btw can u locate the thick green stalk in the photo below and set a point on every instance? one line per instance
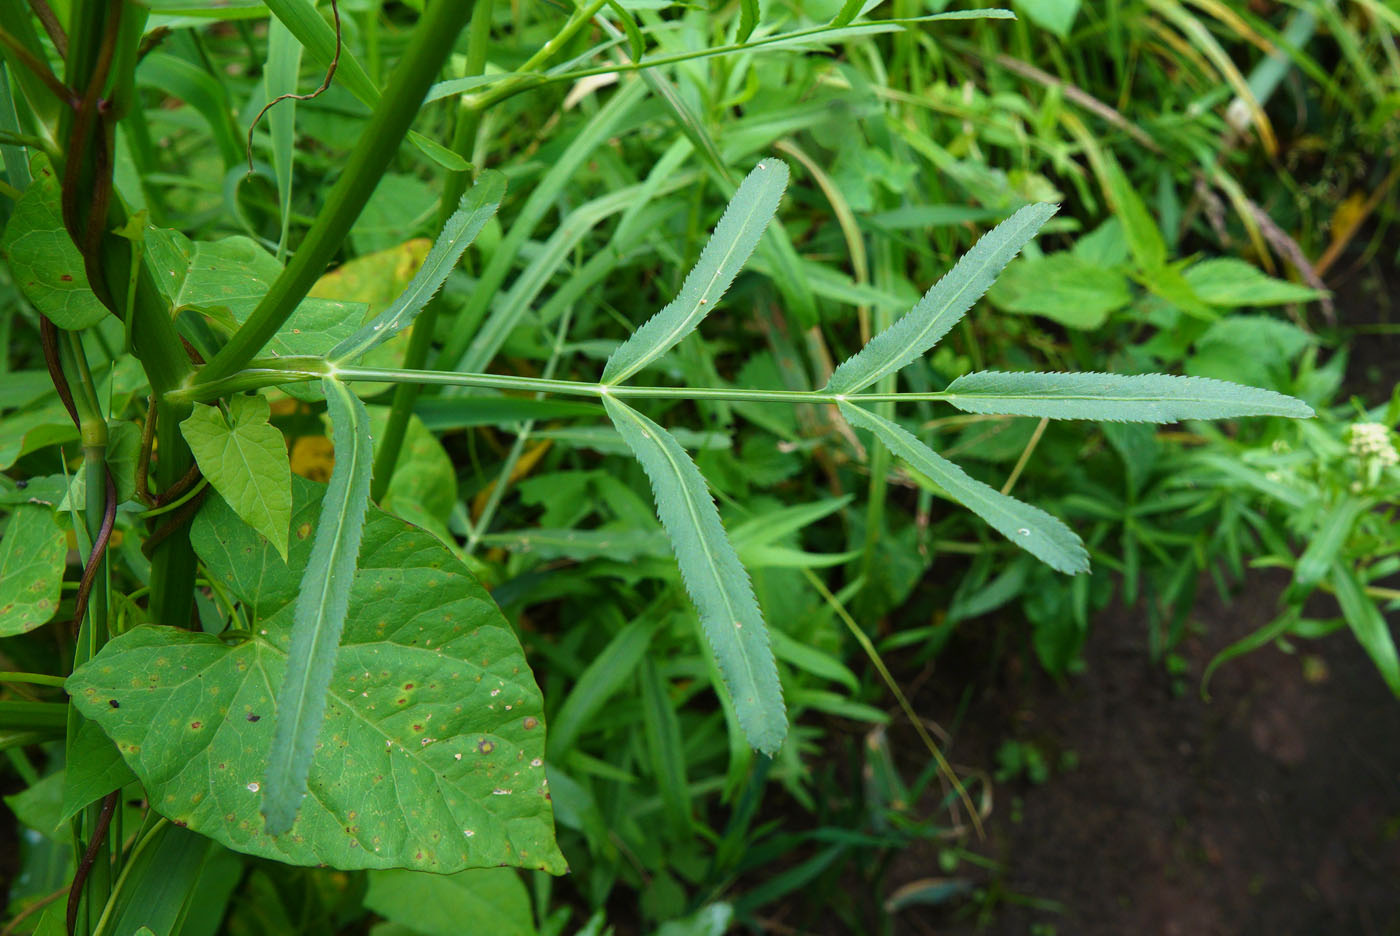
(428, 48)
(92, 629)
(420, 340)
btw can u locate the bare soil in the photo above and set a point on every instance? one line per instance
(1273, 808)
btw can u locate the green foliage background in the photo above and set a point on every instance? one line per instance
(510, 665)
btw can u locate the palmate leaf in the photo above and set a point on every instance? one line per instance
(1030, 528)
(321, 605)
(477, 207)
(431, 756)
(714, 577)
(943, 306)
(733, 241)
(1156, 398)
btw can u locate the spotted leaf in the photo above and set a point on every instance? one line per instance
(431, 753)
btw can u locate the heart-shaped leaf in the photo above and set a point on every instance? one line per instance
(432, 750)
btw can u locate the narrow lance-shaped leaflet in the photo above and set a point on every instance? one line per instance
(322, 602)
(1032, 529)
(943, 306)
(1154, 398)
(477, 207)
(729, 248)
(715, 579)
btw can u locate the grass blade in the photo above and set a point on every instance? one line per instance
(477, 207)
(748, 19)
(320, 609)
(177, 78)
(279, 78)
(468, 348)
(664, 743)
(1034, 530)
(635, 42)
(1159, 398)
(317, 36)
(1366, 623)
(609, 671)
(713, 575)
(943, 306)
(1324, 549)
(848, 12)
(734, 240)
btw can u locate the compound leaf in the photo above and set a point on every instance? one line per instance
(1031, 528)
(943, 306)
(1159, 398)
(713, 575)
(431, 757)
(734, 240)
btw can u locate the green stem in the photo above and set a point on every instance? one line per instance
(176, 504)
(420, 340)
(493, 502)
(270, 372)
(428, 48)
(36, 679)
(93, 629)
(521, 81)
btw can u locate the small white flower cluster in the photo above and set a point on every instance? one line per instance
(1372, 442)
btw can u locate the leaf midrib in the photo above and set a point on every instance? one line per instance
(752, 677)
(896, 362)
(337, 552)
(672, 337)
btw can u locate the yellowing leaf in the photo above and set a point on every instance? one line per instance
(1349, 213)
(313, 457)
(375, 279)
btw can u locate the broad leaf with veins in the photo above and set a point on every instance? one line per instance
(431, 755)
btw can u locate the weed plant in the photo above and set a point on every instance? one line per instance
(395, 507)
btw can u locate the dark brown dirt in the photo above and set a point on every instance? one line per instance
(1272, 809)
